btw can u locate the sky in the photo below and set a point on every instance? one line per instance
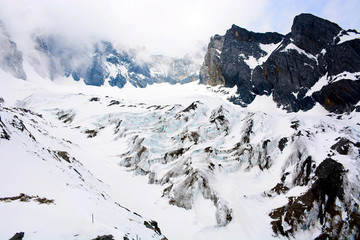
(166, 27)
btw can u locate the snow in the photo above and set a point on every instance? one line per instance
(268, 48)
(292, 46)
(345, 75)
(348, 37)
(238, 185)
(76, 198)
(264, 104)
(252, 62)
(323, 81)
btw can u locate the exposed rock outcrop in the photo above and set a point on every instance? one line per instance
(323, 204)
(18, 236)
(316, 62)
(209, 73)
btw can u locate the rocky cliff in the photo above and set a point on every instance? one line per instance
(317, 62)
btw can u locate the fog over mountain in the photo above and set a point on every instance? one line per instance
(163, 27)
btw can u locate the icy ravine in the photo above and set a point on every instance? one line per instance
(217, 160)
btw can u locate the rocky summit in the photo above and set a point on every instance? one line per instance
(317, 62)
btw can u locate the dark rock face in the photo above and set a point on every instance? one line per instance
(339, 97)
(343, 57)
(343, 146)
(248, 46)
(318, 205)
(3, 131)
(104, 237)
(153, 225)
(313, 49)
(225, 61)
(313, 34)
(18, 236)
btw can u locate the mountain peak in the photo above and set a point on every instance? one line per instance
(316, 62)
(243, 34)
(312, 33)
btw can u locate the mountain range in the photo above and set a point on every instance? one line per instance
(317, 61)
(257, 137)
(54, 56)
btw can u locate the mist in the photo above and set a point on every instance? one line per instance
(172, 28)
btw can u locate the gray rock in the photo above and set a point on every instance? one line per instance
(209, 72)
(310, 51)
(343, 57)
(312, 33)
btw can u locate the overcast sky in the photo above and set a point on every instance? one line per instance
(164, 26)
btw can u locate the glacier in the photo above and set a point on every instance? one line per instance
(180, 154)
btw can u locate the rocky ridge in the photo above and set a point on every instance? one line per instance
(317, 62)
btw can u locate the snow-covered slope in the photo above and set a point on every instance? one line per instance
(47, 192)
(202, 167)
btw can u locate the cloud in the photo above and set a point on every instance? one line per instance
(345, 13)
(162, 26)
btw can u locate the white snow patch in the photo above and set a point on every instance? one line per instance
(348, 37)
(264, 104)
(292, 46)
(323, 81)
(269, 48)
(345, 75)
(252, 62)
